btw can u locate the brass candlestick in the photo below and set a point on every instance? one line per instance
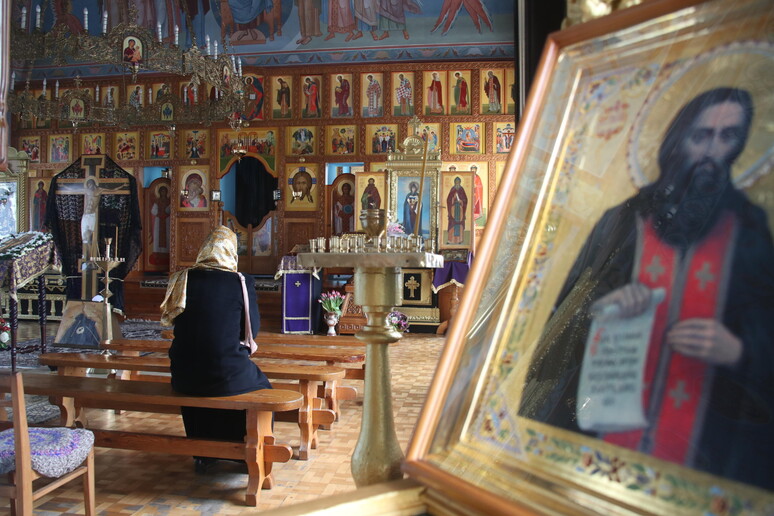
(377, 456)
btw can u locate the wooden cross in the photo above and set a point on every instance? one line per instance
(412, 284)
(415, 123)
(91, 187)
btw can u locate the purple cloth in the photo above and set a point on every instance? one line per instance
(452, 273)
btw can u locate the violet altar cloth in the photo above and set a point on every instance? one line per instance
(301, 287)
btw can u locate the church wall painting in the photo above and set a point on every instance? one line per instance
(341, 139)
(457, 198)
(259, 142)
(60, 148)
(135, 95)
(157, 224)
(38, 197)
(372, 94)
(403, 93)
(466, 138)
(159, 145)
(435, 86)
(110, 95)
(343, 205)
(126, 146)
(311, 96)
(301, 140)
(517, 380)
(381, 138)
(404, 201)
(255, 96)
(370, 192)
(492, 82)
(282, 97)
(342, 95)
(289, 31)
(194, 143)
(459, 92)
(433, 132)
(93, 143)
(301, 192)
(505, 134)
(195, 189)
(510, 91)
(31, 145)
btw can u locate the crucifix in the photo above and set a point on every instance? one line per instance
(91, 187)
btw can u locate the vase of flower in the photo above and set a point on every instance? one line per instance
(331, 319)
(331, 303)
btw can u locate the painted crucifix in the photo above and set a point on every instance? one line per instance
(91, 187)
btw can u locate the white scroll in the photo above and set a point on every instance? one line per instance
(612, 375)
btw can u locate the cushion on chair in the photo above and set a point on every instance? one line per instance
(54, 451)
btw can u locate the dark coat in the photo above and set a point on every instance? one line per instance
(206, 357)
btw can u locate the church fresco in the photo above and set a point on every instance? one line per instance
(295, 32)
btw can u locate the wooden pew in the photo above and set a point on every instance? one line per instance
(296, 339)
(331, 356)
(309, 417)
(259, 451)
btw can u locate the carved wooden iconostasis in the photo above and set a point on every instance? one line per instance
(450, 99)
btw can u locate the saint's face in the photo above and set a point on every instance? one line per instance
(300, 184)
(717, 134)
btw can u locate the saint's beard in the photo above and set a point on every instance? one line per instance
(688, 200)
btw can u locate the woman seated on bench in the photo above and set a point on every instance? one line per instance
(205, 303)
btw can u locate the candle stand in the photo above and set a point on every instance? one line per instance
(377, 456)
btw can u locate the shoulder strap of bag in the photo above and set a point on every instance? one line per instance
(248, 342)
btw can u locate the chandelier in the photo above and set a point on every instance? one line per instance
(133, 49)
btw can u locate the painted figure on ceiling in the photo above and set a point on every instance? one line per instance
(368, 18)
(392, 16)
(340, 19)
(451, 9)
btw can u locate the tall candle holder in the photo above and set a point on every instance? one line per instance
(106, 264)
(377, 455)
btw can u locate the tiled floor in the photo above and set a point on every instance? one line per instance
(129, 482)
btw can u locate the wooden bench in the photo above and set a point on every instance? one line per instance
(259, 451)
(309, 417)
(296, 339)
(331, 356)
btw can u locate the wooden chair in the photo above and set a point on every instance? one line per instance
(28, 454)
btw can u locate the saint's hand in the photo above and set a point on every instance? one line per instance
(705, 339)
(632, 299)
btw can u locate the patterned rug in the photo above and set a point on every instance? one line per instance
(39, 410)
(130, 329)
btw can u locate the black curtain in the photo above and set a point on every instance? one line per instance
(254, 191)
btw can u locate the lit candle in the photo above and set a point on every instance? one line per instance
(233, 64)
(23, 21)
(240, 67)
(104, 22)
(44, 86)
(158, 31)
(207, 40)
(185, 95)
(177, 34)
(56, 90)
(38, 19)
(86, 19)
(96, 93)
(216, 50)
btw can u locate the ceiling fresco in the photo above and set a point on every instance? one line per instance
(293, 32)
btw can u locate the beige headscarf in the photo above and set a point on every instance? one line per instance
(219, 251)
